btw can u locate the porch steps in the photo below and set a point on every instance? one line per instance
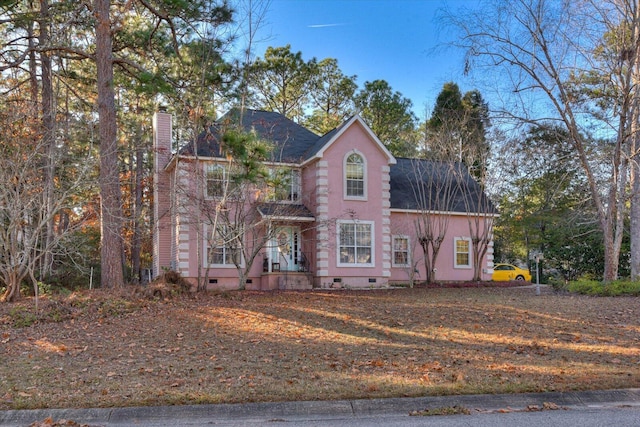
(294, 281)
(287, 281)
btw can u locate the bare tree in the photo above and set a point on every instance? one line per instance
(634, 176)
(574, 61)
(24, 215)
(480, 213)
(435, 186)
(633, 9)
(252, 13)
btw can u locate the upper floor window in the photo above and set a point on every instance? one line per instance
(462, 255)
(218, 182)
(215, 180)
(354, 173)
(286, 185)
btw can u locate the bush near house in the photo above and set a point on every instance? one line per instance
(598, 288)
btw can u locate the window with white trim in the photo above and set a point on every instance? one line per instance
(215, 180)
(354, 174)
(219, 182)
(223, 246)
(286, 184)
(400, 251)
(462, 252)
(355, 244)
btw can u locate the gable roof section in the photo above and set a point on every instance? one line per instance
(292, 140)
(418, 184)
(322, 144)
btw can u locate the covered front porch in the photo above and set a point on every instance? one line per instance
(285, 265)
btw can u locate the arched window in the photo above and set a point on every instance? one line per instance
(354, 176)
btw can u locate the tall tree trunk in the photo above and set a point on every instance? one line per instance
(48, 132)
(611, 261)
(428, 266)
(634, 157)
(110, 191)
(137, 213)
(634, 212)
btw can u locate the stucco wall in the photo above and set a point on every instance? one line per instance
(373, 207)
(403, 223)
(179, 238)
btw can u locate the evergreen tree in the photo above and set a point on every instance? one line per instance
(331, 94)
(457, 128)
(389, 116)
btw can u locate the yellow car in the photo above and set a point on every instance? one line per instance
(508, 272)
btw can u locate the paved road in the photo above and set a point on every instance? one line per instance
(579, 409)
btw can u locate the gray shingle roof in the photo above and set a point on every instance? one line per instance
(322, 141)
(292, 140)
(411, 179)
(419, 184)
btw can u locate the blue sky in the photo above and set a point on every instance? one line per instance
(394, 40)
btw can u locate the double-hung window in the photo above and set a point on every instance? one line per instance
(356, 245)
(400, 251)
(286, 185)
(224, 246)
(215, 180)
(462, 255)
(354, 173)
(219, 182)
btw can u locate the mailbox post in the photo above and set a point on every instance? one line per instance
(537, 256)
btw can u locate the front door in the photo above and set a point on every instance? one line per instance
(285, 249)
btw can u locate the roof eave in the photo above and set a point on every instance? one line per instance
(287, 218)
(452, 213)
(347, 125)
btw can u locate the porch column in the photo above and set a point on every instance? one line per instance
(269, 248)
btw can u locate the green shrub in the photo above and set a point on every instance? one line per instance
(615, 288)
(586, 287)
(22, 317)
(558, 283)
(623, 287)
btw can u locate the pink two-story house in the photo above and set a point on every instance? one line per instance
(351, 215)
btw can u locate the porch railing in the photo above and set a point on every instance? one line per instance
(304, 265)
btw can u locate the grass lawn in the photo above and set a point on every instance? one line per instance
(108, 350)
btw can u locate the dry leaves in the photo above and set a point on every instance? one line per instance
(49, 422)
(257, 346)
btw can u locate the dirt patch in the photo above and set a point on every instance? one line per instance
(101, 350)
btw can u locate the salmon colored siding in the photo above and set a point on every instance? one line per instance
(363, 258)
(404, 225)
(373, 208)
